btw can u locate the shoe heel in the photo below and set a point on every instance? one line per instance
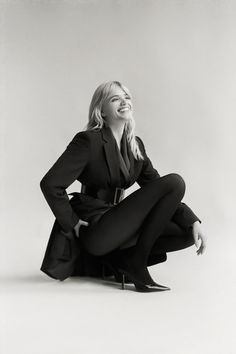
(123, 282)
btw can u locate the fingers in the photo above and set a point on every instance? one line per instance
(78, 225)
(196, 240)
(199, 250)
(82, 222)
(202, 248)
(199, 237)
(199, 243)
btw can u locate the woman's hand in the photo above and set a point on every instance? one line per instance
(199, 237)
(77, 226)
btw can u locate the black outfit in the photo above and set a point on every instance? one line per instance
(153, 217)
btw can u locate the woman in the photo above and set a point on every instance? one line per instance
(125, 234)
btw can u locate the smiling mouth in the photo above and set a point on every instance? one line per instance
(124, 109)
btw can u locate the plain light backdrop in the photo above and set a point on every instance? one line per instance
(178, 60)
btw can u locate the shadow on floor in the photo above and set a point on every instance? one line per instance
(38, 279)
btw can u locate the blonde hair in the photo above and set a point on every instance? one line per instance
(96, 121)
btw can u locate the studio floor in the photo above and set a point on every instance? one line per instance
(40, 315)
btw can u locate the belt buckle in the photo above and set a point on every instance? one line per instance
(119, 193)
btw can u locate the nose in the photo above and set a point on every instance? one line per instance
(123, 101)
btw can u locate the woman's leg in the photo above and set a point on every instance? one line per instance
(173, 238)
(150, 207)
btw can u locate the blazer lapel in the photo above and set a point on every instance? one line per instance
(110, 148)
(131, 160)
(111, 155)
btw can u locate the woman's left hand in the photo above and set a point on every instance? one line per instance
(199, 237)
(78, 225)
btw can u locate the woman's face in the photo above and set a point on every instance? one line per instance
(118, 105)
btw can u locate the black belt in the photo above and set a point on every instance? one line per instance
(114, 196)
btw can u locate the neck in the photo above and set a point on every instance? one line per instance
(117, 128)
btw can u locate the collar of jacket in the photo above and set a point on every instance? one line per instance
(112, 157)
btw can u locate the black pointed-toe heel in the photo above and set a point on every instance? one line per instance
(118, 275)
(153, 284)
(123, 282)
(140, 286)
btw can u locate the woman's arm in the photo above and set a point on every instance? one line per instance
(61, 175)
(148, 172)
(184, 216)
(200, 239)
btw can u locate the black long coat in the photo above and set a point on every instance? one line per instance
(91, 158)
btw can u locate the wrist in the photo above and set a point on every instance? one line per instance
(76, 225)
(195, 223)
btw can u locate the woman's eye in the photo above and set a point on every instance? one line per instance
(116, 98)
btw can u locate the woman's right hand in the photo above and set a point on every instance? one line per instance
(199, 238)
(77, 226)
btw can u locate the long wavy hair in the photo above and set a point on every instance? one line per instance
(96, 121)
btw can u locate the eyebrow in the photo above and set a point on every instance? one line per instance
(126, 94)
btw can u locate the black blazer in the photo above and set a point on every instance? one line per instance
(91, 158)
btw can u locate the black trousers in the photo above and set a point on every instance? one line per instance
(148, 209)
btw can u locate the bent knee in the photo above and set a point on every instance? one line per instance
(176, 178)
(177, 182)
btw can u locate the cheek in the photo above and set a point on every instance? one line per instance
(108, 111)
(113, 107)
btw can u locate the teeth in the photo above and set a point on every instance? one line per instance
(123, 109)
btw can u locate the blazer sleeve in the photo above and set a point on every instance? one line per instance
(183, 216)
(61, 175)
(148, 172)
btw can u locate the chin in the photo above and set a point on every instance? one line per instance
(126, 117)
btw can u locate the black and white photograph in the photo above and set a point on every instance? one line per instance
(117, 126)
